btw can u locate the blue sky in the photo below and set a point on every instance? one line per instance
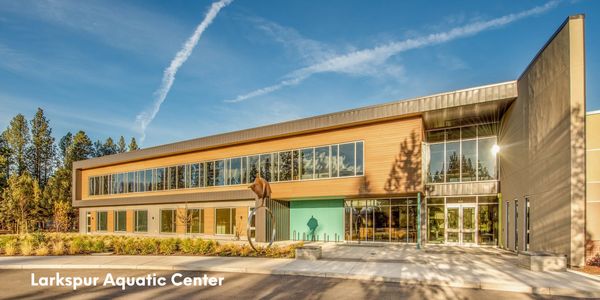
(96, 65)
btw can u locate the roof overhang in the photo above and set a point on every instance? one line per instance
(450, 102)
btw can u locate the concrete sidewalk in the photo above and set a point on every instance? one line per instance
(486, 276)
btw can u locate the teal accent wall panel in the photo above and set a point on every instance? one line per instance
(318, 217)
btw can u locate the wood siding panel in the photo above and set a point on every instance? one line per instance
(130, 220)
(180, 225)
(241, 220)
(93, 217)
(209, 220)
(392, 162)
(110, 217)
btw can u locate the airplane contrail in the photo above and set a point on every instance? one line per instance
(352, 62)
(143, 119)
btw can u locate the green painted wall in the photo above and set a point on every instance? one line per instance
(329, 215)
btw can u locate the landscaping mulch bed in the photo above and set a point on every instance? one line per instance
(591, 270)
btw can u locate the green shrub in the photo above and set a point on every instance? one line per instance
(76, 246)
(11, 248)
(187, 246)
(42, 250)
(98, 246)
(58, 247)
(168, 246)
(149, 246)
(26, 247)
(204, 247)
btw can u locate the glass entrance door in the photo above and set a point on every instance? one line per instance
(461, 224)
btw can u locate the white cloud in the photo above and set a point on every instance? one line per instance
(144, 118)
(368, 61)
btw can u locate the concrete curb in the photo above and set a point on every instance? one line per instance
(505, 287)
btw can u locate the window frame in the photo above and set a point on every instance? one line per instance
(136, 219)
(105, 212)
(116, 220)
(160, 221)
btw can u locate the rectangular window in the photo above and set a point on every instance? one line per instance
(195, 220)
(266, 166)
(435, 223)
(224, 218)
(435, 172)
(160, 179)
(210, 173)
(334, 161)
(275, 167)
(468, 160)
(219, 172)
(114, 184)
(172, 178)
(91, 186)
(253, 168)
(148, 181)
(167, 221)
(105, 185)
(307, 167)
(453, 162)
(235, 171)
(130, 182)
(285, 166)
(322, 162)
(346, 160)
(359, 158)
(295, 165)
(121, 182)
(120, 219)
(486, 163)
(101, 220)
(141, 185)
(141, 221)
(96, 185)
(244, 170)
(181, 177)
(194, 175)
(202, 174)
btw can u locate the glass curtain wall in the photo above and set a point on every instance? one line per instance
(381, 220)
(329, 161)
(462, 154)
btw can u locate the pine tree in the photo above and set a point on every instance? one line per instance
(133, 145)
(64, 148)
(57, 200)
(17, 138)
(20, 203)
(109, 147)
(4, 166)
(41, 151)
(80, 149)
(122, 146)
(98, 149)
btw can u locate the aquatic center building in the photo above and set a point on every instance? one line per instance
(499, 165)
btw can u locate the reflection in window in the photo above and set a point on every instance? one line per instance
(266, 167)
(194, 175)
(160, 179)
(307, 166)
(346, 160)
(141, 186)
(167, 220)
(322, 162)
(121, 183)
(181, 177)
(172, 178)
(468, 160)
(101, 221)
(141, 221)
(252, 168)
(195, 218)
(130, 182)
(120, 218)
(295, 166)
(486, 164)
(435, 171)
(210, 173)
(334, 161)
(219, 172)
(114, 184)
(244, 170)
(148, 180)
(435, 224)
(235, 171)
(359, 158)
(285, 167)
(453, 162)
(105, 184)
